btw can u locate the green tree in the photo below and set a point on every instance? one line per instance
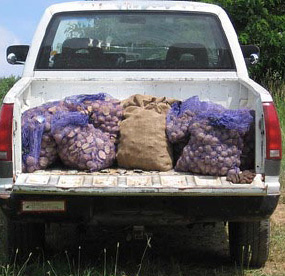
(5, 85)
(260, 22)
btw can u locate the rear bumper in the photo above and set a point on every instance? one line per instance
(145, 210)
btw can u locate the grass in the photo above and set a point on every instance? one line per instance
(279, 99)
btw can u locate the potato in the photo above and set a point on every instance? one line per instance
(224, 170)
(43, 162)
(228, 162)
(31, 161)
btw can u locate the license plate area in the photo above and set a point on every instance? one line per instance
(43, 206)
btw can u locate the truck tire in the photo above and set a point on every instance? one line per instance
(26, 238)
(23, 237)
(249, 243)
(4, 247)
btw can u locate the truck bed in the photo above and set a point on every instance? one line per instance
(233, 93)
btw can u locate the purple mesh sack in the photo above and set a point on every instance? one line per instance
(177, 124)
(49, 153)
(211, 150)
(196, 106)
(248, 151)
(214, 134)
(182, 114)
(80, 102)
(62, 119)
(106, 115)
(104, 111)
(38, 145)
(32, 131)
(239, 119)
(81, 145)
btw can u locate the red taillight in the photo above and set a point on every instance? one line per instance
(6, 126)
(272, 131)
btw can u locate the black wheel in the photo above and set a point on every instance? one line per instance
(20, 237)
(4, 247)
(25, 238)
(249, 243)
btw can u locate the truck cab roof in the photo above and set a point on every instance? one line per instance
(134, 5)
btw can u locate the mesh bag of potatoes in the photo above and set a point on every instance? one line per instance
(39, 149)
(182, 114)
(38, 145)
(32, 131)
(104, 111)
(211, 151)
(80, 102)
(80, 144)
(178, 119)
(214, 134)
(143, 142)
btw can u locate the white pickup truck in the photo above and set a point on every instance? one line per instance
(162, 48)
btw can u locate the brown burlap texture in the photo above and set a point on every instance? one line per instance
(143, 142)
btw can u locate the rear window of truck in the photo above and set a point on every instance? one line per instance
(135, 41)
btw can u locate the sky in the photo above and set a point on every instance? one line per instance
(18, 22)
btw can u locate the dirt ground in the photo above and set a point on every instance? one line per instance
(278, 217)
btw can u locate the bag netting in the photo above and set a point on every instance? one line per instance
(214, 135)
(181, 115)
(38, 146)
(32, 131)
(81, 145)
(238, 120)
(106, 115)
(211, 150)
(248, 151)
(104, 111)
(78, 102)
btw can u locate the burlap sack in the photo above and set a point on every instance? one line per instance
(143, 142)
(158, 104)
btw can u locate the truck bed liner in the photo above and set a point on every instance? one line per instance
(132, 182)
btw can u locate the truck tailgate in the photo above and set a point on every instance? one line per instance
(133, 182)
